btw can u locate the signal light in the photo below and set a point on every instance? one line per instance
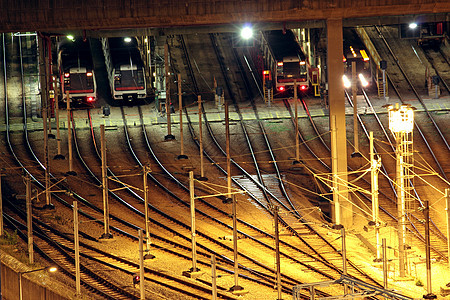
(303, 87)
(66, 75)
(303, 63)
(266, 72)
(280, 63)
(90, 99)
(136, 279)
(89, 74)
(281, 88)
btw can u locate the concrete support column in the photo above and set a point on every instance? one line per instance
(337, 112)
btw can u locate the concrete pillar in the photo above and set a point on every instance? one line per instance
(337, 112)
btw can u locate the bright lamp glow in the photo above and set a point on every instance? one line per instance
(401, 119)
(71, 37)
(347, 83)
(364, 82)
(413, 25)
(127, 39)
(52, 269)
(246, 32)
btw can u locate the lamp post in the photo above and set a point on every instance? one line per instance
(50, 269)
(401, 123)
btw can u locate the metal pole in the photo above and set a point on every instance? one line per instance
(375, 164)
(384, 85)
(447, 195)
(337, 206)
(29, 219)
(355, 108)
(227, 146)
(344, 258)
(235, 237)
(400, 205)
(200, 134)
(58, 133)
(77, 250)
(1, 209)
(147, 227)
(69, 132)
(192, 197)
(385, 270)
(46, 162)
(180, 108)
(20, 286)
(169, 135)
(106, 233)
(426, 213)
(213, 277)
(297, 142)
(141, 265)
(277, 251)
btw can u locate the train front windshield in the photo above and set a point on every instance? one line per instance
(129, 79)
(292, 70)
(79, 81)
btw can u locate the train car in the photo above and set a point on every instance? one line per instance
(284, 61)
(125, 69)
(432, 35)
(76, 71)
(356, 53)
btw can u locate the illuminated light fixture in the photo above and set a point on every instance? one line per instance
(347, 82)
(303, 63)
(413, 25)
(145, 40)
(281, 88)
(401, 119)
(90, 99)
(67, 75)
(89, 74)
(343, 58)
(127, 39)
(364, 82)
(280, 63)
(303, 87)
(266, 72)
(52, 269)
(246, 32)
(71, 37)
(364, 55)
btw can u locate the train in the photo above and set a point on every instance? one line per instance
(125, 68)
(76, 71)
(284, 62)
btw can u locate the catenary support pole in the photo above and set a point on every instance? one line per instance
(277, 251)
(400, 207)
(213, 277)
(297, 139)
(193, 235)
(1, 209)
(106, 233)
(148, 243)
(77, 250)
(141, 265)
(355, 108)
(200, 137)
(375, 167)
(180, 108)
(69, 133)
(447, 196)
(385, 270)
(169, 135)
(227, 146)
(236, 288)
(426, 213)
(29, 219)
(58, 131)
(344, 257)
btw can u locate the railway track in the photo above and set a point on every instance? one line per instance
(291, 230)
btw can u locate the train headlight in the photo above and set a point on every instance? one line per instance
(363, 80)
(347, 82)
